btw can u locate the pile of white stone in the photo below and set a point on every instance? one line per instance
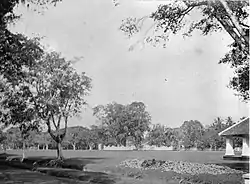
(178, 167)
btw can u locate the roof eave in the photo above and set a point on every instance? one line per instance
(222, 132)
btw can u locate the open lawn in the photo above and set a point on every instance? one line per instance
(111, 158)
(106, 161)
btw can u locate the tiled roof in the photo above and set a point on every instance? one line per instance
(240, 128)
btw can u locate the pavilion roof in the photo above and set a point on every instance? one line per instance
(240, 128)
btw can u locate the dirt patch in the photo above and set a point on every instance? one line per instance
(153, 175)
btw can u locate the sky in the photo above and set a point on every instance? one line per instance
(195, 87)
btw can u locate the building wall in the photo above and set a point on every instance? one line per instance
(145, 147)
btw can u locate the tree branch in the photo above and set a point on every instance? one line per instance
(141, 21)
(143, 37)
(247, 26)
(234, 21)
(186, 11)
(65, 128)
(53, 120)
(59, 122)
(50, 132)
(230, 30)
(66, 104)
(195, 3)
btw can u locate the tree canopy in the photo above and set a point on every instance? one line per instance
(36, 87)
(192, 132)
(123, 121)
(50, 92)
(161, 135)
(215, 15)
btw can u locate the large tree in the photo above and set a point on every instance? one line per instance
(192, 131)
(57, 92)
(18, 111)
(113, 121)
(123, 121)
(44, 86)
(138, 121)
(215, 15)
(51, 92)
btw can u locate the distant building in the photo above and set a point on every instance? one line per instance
(241, 130)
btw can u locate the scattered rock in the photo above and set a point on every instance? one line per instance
(178, 167)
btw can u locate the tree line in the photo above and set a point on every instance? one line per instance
(76, 138)
(191, 134)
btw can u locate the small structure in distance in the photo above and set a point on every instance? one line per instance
(240, 129)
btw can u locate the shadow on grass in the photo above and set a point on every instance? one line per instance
(3, 164)
(74, 169)
(90, 177)
(3, 156)
(77, 163)
(240, 165)
(70, 163)
(210, 179)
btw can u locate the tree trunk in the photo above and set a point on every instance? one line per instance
(59, 151)
(38, 147)
(74, 146)
(47, 147)
(90, 147)
(23, 150)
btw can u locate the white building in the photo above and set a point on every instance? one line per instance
(240, 129)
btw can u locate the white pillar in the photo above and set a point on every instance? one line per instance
(246, 178)
(99, 146)
(245, 146)
(229, 146)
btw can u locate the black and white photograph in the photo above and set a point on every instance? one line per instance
(124, 91)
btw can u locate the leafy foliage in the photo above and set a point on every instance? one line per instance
(123, 121)
(51, 91)
(82, 137)
(8, 15)
(16, 138)
(211, 138)
(160, 135)
(57, 92)
(227, 15)
(17, 53)
(37, 87)
(239, 61)
(192, 133)
(42, 139)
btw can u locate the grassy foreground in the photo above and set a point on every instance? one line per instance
(107, 161)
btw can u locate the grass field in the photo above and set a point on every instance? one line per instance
(111, 158)
(104, 161)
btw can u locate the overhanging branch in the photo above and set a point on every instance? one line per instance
(231, 31)
(234, 21)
